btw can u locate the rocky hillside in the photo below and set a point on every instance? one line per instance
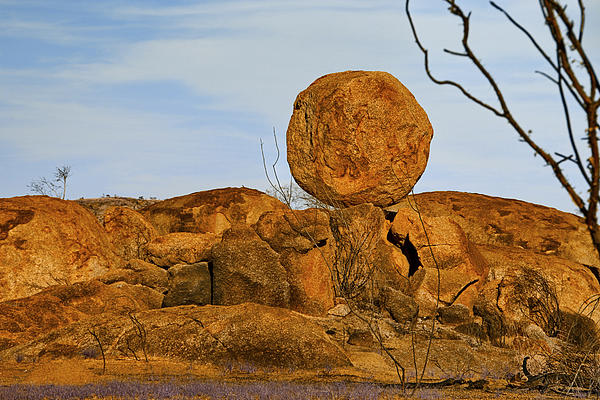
(233, 275)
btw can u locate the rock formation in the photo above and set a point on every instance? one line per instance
(45, 241)
(24, 319)
(358, 137)
(211, 211)
(252, 335)
(128, 231)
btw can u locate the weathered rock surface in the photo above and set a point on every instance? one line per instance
(128, 231)
(445, 246)
(247, 334)
(138, 272)
(358, 137)
(454, 287)
(245, 268)
(180, 248)
(299, 230)
(573, 283)
(455, 314)
(189, 284)
(211, 211)
(401, 307)
(362, 249)
(303, 241)
(99, 206)
(513, 223)
(22, 320)
(45, 241)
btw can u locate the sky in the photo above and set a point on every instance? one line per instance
(163, 98)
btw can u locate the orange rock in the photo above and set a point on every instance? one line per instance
(358, 137)
(246, 335)
(128, 231)
(25, 319)
(442, 244)
(180, 248)
(574, 283)
(211, 211)
(512, 223)
(245, 268)
(45, 241)
(302, 239)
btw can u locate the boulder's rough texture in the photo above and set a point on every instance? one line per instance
(511, 223)
(455, 314)
(211, 211)
(23, 319)
(401, 307)
(572, 282)
(188, 284)
(245, 268)
(249, 335)
(358, 137)
(138, 272)
(303, 241)
(299, 230)
(180, 248)
(128, 231)
(99, 206)
(45, 241)
(362, 250)
(459, 261)
(454, 287)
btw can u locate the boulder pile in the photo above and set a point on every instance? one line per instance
(235, 275)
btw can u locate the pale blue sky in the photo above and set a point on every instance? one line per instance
(163, 98)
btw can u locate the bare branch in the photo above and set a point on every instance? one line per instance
(456, 53)
(445, 82)
(545, 75)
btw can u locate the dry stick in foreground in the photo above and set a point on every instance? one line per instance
(415, 208)
(569, 50)
(95, 335)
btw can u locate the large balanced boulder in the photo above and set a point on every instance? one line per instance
(211, 211)
(46, 241)
(358, 137)
(247, 335)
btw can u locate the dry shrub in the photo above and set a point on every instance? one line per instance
(537, 298)
(574, 362)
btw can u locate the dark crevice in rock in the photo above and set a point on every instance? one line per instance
(212, 280)
(389, 215)
(457, 295)
(408, 249)
(412, 255)
(594, 270)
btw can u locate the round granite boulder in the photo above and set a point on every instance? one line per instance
(358, 137)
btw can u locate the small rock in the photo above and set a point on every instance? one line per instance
(341, 310)
(361, 338)
(400, 306)
(454, 314)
